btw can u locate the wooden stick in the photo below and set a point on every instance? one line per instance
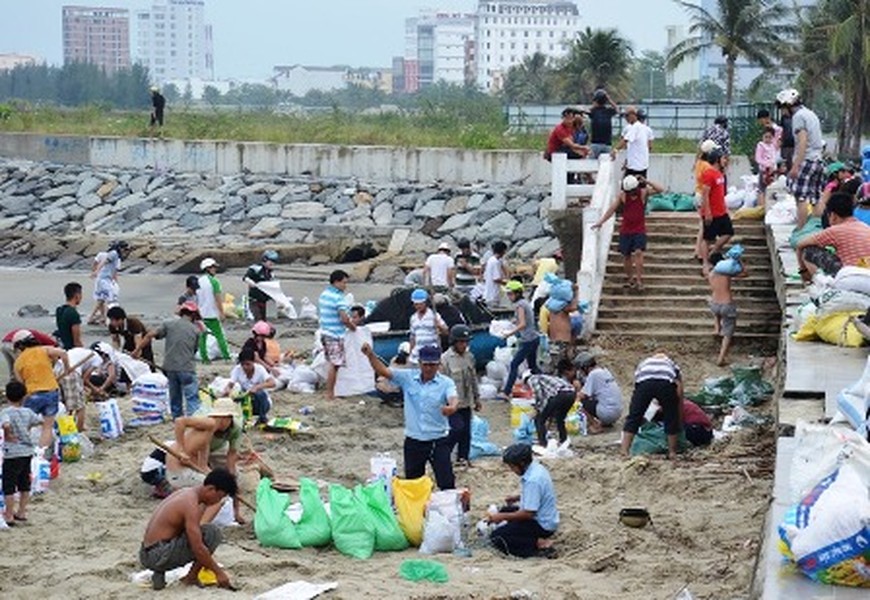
(76, 366)
(195, 467)
(270, 472)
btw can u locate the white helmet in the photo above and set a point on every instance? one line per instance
(206, 263)
(630, 183)
(788, 97)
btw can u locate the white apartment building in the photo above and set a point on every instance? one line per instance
(174, 41)
(508, 31)
(437, 48)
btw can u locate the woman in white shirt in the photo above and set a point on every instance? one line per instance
(254, 379)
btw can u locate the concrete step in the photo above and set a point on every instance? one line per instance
(686, 254)
(753, 311)
(704, 326)
(675, 335)
(639, 301)
(654, 237)
(688, 268)
(613, 287)
(690, 278)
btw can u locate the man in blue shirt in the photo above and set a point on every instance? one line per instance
(430, 398)
(334, 321)
(529, 524)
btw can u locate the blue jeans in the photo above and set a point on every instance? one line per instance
(260, 405)
(183, 388)
(528, 351)
(43, 403)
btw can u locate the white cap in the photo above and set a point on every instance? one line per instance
(708, 146)
(444, 246)
(21, 335)
(405, 347)
(206, 263)
(630, 183)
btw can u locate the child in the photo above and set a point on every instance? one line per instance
(459, 365)
(189, 295)
(554, 397)
(722, 302)
(529, 525)
(766, 157)
(632, 230)
(16, 421)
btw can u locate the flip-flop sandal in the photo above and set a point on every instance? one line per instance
(19, 518)
(11, 523)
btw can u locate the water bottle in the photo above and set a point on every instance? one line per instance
(581, 423)
(247, 408)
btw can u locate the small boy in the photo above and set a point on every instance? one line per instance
(722, 301)
(16, 421)
(459, 365)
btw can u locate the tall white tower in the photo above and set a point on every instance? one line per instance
(174, 41)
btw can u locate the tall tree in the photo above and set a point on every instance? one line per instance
(531, 81)
(649, 76)
(597, 58)
(757, 30)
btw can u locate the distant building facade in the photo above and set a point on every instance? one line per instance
(301, 79)
(174, 41)
(508, 31)
(10, 61)
(436, 49)
(96, 35)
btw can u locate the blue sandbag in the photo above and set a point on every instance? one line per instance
(480, 444)
(728, 266)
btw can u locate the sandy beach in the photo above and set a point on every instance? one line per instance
(707, 508)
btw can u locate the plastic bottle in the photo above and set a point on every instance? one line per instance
(582, 424)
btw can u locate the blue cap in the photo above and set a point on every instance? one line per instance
(419, 295)
(430, 354)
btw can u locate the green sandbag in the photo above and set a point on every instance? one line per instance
(660, 203)
(716, 391)
(652, 439)
(314, 528)
(749, 388)
(272, 526)
(813, 225)
(388, 534)
(684, 203)
(423, 570)
(353, 532)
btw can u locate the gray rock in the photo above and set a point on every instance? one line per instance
(11, 222)
(129, 201)
(475, 201)
(344, 204)
(203, 208)
(391, 274)
(161, 192)
(434, 208)
(530, 247)
(404, 202)
(304, 210)
(89, 201)
(514, 203)
(549, 248)
(530, 207)
(491, 207)
(385, 195)
(402, 217)
(528, 228)
(428, 195)
(159, 182)
(36, 187)
(231, 187)
(18, 205)
(138, 184)
(75, 212)
(205, 195)
(265, 210)
(190, 221)
(255, 200)
(234, 206)
(95, 214)
(70, 189)
(61, 203)
(155, 226)
(455, 222)
(89, 186)
(455, 205)
(252, 189)
(500, 226)
(152, 213)
(268, 227)
(281, 195)
(292, 236)
(383, 213)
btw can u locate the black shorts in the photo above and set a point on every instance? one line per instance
(16, 475)
(590, 406)
(629, 243)
(641, 172)
(719, 226)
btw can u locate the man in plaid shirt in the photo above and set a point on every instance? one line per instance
(554, 397)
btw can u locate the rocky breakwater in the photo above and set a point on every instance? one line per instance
(60, 216)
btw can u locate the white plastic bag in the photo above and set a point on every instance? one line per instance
(783, 212)
(308, 310)
(499, 327)
(854, 401)
(855, 279)
(111, 424)
(442, 531)
(496, 371)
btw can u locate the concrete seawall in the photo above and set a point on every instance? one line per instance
(367, 163)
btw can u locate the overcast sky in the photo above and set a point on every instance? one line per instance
(251, 36)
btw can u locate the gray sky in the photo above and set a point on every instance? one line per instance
(251, 36)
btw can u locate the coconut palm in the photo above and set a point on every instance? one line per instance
(530, 81)
(597, 58)
(753, 29)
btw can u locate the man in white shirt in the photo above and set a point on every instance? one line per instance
(440, 270)
(636, 141)
(494, 274)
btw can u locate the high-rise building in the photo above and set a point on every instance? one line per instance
(436, 49)
(174, 41)
(97, 35)
(508, 31)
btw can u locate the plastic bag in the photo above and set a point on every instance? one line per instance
(111, 424)
(423, 570)
(443, 529)
(388, 534)
(526, 433)
(652, 439)
(854, 402)
(497, 371)
(410, 497)
(314, 528)
(826, 533)
(307, 310)
(353, 531)
(728, 266)
(855, 279)
(660, 202)
(749, 388)
(272, 526)
(480, 444)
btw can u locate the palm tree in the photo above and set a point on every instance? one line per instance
(530, 81)
(753, 29)
(597, 58)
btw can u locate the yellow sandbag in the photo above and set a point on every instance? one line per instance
(410, 497)
(807, 332)
(755, 213)
(230, 310)
(839, 330)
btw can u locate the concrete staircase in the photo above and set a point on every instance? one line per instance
(673, 304)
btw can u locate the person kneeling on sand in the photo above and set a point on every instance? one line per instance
(600, 397)
(554, 397)
(529, 524)
(174, 536)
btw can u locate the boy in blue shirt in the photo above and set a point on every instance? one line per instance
(529, 525)
(429, 399)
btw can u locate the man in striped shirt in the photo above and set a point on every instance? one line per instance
(334, 322)
(849, 237)
(657, 377)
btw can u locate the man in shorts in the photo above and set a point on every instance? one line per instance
(806, 177)
(334, 322)
(717, 229)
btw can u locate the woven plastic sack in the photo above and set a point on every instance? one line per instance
(353, 532)
(410, 497)
(652, 439)
(314, 528)
(388, 534)
(423, 570)
(684, 203)
(272, 526)
(480, 444)
(660, 203)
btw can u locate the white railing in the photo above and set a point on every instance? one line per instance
(596, 242)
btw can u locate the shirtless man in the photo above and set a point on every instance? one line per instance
(174, 536)
(559, 332)
(722, 306)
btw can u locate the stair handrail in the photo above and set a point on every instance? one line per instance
(596, 242)
(560, 189)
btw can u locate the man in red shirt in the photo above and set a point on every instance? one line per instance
(562, 138)
(849, 237)
(718, 228)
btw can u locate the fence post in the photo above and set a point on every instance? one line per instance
(559, 181)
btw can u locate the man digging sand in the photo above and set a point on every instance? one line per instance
(174, 536)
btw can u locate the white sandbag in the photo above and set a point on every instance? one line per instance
(134, 368)
(804, 312)
(853, 403)
(111, 424)
(282, 301)
(504, 355)
(819, 449)
(855, 279)
(442, 531)
(496, 371)
(356, 377)
(488, 391)
(307, 310)
(837, 301)
(297, 590)
(782, 212)
(212, 348)
(219, 386)
(500, 327)
(226, 516)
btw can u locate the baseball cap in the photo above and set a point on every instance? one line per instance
(21, 335)
(514, 286)
(261, 328)
(835, 167)
(405, 348)
(206, 263)
(223, 407)
(708, 146)
(629, 183)
(430, 354)
(190, 307)
(444, 246)
(419, 295)
(584, 359)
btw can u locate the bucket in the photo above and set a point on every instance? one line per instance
(519, 407)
